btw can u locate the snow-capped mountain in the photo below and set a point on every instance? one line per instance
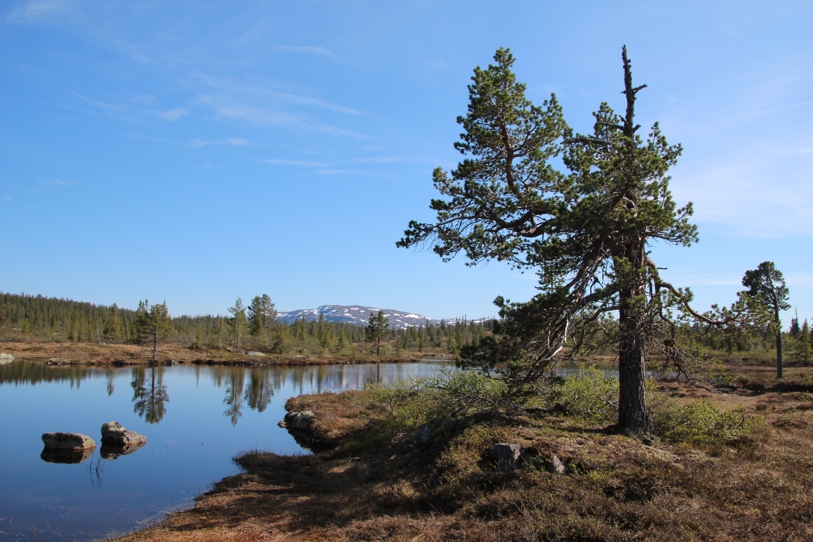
(359, 315)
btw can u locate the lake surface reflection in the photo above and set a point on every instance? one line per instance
(196, 418)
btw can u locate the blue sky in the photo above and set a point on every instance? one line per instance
(196, 151)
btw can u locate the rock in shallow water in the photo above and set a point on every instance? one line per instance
(113, 434)
(67, 441)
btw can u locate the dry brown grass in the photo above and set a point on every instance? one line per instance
(106, 354)
(616, 488)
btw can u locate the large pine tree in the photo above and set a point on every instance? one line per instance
(586, 231)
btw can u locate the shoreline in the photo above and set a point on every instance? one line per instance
(366, 481)
(124, 355)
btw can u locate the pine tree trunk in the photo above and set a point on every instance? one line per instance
(154, 344)
(633, 414)
(779, 373)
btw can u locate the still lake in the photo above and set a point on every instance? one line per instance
(196, 419)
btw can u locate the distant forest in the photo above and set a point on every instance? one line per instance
(34, 317)
(28, 317)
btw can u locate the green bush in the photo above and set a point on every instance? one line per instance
(467, 391)
(701, 423)
(590, 395)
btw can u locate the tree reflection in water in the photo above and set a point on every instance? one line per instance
(254, 386)
(234, 394)
(111, 376)
(260, 390)
(149, 402)
(258, 393)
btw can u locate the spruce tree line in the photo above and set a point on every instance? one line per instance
(28, 317)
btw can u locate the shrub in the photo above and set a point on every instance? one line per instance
(413, 402)
(590, 395)
(701, 423)
(467, 391)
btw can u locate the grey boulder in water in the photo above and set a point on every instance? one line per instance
(113, 434)
(67, 441)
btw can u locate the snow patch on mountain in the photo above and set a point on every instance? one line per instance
(359, 315)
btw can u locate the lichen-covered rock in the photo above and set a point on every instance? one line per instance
(67, 441)
(113, 434)
(507, 455)
(556, 465)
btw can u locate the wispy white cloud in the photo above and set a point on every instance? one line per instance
(392, 160)
(322, 104)
(317, 50)
(801, 151)
(303, 163)
(230, 108)
(232, 142)
(751, 194)
(327, 129)
(114, 110)
(749, 155)
(57, 183)
(269, 93)
(341, 172)
(109, 107)
(150, 138)
(172, 115)
(438, 65)
(34, 11)
(337, 171)
(799, 280)
(256, 30)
